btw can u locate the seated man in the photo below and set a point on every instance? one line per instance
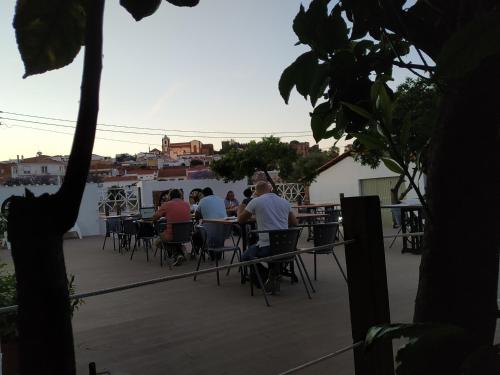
(212, 207)
(271, 212)
(173, 210)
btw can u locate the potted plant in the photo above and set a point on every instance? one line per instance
(8, 328)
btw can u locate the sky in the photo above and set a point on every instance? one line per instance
(211, 68)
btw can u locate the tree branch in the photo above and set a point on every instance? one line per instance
(402, 64)
(70, 194)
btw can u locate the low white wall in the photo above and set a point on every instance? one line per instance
(219, 187)
(344, 177)
(88, 216)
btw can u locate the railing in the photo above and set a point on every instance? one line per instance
(118, 199)
(292, 192)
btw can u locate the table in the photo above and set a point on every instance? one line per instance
(412, 220)
(317, 205)
(303, 216)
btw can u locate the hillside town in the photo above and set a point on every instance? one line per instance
(174, 162)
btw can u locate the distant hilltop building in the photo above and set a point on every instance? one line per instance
(194, 147)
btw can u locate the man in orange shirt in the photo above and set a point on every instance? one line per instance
(174, 210)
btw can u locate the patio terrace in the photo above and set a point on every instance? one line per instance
(187, 327)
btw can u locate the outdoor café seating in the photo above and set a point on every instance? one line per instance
(283, 241)
(181, 234)
(213, 245)
(325, 234)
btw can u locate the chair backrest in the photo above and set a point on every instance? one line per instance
(217, 234)
(182, 231)
(200, 236)
(325, 233)
(147, 212)
(130, 227)
(333, 215)
(146, 229)
(113, 225)
(284, 240)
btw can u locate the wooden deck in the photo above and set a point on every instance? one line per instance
(187, 327)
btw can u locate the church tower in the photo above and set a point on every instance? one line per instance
(165, 145)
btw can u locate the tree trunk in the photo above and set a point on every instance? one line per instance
(36, 227)
(459, 268)
(271, 181)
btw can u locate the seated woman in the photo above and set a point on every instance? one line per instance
(231, 203)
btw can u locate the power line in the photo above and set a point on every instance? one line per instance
(142, 133)
(100, 138)
(159, 129)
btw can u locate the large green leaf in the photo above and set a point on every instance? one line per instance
(382, 102)
(319, 82)
(49, 33)
(359, 110)
(372, 141)
(469, 46)
(332, 32)
(305, 22)
(300, 73)
(321, 119)
(140, 8)
(392, 165)
(184, 3)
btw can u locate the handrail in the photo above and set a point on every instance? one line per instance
(321, 359)
(185, 275)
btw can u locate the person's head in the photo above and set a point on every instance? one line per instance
(208, 191)
(230, 195)
(175, 194)
(262, 187)
(247, 193)
(164, 197)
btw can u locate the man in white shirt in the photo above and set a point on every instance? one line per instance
(271, 213)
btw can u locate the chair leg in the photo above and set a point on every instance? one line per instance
(132, 253)
(395, 238)
(147, 244)
(302, 277)
(217, 266)
(105, 238)
(315, 265)
(307, 273)
(340, 267)
(261, 284)
(198, 266)
(232, 259)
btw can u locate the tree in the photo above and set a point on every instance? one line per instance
(50, 34)
(305, 167)
(266, 155)
(459, 269)
(415, 108)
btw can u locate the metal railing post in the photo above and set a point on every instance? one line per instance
(366, 272)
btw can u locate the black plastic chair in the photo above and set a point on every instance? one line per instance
(283, 241)
(206, 248)
(146, 235)
(326, 234)
(130, 229)
(334, 216)
(113, 228)
(181, 234)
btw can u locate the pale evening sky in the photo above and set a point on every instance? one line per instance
(214, 67)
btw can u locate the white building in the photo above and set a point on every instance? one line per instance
(40, 165)
(343, 175)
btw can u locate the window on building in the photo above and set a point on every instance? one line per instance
(44, 169)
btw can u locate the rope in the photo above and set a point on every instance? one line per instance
(413, 234)
(191, 274)
(321, 359)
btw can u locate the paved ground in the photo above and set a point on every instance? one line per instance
(187, 327)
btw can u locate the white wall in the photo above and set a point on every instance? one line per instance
(36, 169)
(88, 217)
(219, 187)
(344, 177)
